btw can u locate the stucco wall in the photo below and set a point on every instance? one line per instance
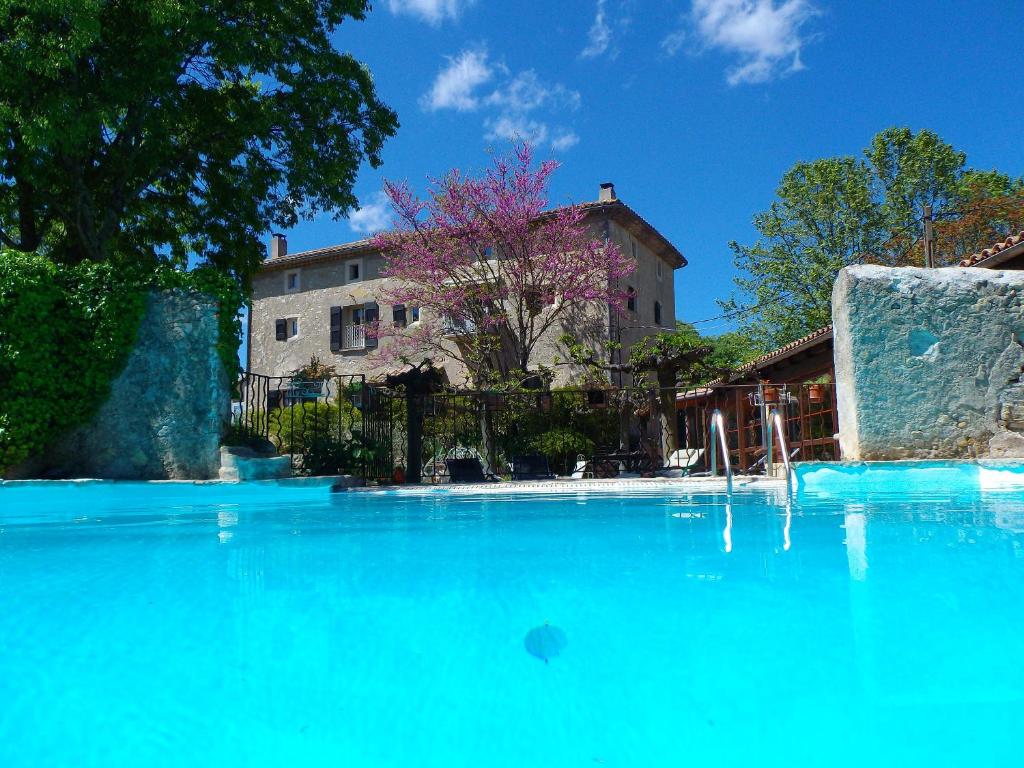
(929, 362)
(167, 409)
(323, 285)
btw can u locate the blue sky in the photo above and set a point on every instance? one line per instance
(694, 108)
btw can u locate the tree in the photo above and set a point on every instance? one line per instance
(492, 269)
(177, 130)
(834, 212)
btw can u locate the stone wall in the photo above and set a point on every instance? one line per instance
(929, 362)
(168, 407)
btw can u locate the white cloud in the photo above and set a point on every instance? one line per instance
(673, 41)
(516, 128)
(518, 106)
(372, 217)
(766, 35)
(454, 85)
(431, 11)
(525, 92)
(563, 140)
(599, 38)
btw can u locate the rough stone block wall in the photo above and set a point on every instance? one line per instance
(168, 407)
(929, 362)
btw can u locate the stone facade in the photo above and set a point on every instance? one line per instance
(302, 288)
(929, 362)
(168, 407)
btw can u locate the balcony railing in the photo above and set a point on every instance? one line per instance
(353, 337)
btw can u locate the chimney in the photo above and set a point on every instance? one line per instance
(607, 193)
(278, 245)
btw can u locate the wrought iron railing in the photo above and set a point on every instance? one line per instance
(343, 425)
(330, 426)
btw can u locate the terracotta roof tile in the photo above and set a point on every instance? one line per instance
(775, 355)
(976, 259)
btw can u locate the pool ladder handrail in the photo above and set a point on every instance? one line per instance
(718, 430)
(775, 428)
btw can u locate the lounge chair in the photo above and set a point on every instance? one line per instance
(686, 459)
(468, 471)
(533, 467)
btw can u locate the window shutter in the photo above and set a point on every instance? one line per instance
(398, 315)
(335, 329)
(372, 314)
(281, 329)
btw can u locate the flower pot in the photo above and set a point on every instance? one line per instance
(771, 395)
(398, 476)
(816, 393)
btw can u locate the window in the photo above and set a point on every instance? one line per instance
(631, 298)
(291, 282)
(286, 328)
(348, 327)
(657, 313)
(353, 271)
(404, 316)
(657, 269)
(632, 247)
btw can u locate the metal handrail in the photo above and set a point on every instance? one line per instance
(718, 429)
(775, 426)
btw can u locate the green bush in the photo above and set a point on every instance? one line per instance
(293, 428)
(65, 333)
(560, 446)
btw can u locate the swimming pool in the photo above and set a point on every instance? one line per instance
(263, 624)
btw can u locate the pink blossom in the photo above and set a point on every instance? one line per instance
(487, 254)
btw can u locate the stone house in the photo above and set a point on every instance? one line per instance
(320, 302)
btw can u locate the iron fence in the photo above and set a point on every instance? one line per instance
(343, 425)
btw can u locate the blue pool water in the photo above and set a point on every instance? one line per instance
(257, 625)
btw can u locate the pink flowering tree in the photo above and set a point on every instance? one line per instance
(492, 269)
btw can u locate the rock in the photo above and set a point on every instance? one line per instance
(168, 407)
(928, 362)
(243, 463)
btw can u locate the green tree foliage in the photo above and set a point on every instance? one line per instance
(177, 130)
(837, 211)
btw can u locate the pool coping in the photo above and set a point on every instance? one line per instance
(341, 483)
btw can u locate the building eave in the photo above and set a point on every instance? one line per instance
(615, 209)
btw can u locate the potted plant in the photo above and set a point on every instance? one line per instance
(770, 393)
(398, 475)
(816, 393)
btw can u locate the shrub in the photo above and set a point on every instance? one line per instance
(560, 446)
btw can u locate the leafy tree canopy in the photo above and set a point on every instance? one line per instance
(177, 129)
(837, 211)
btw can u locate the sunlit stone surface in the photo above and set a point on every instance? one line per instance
(929, 362)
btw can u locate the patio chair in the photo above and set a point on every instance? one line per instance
(468, 470)
(532, 467)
